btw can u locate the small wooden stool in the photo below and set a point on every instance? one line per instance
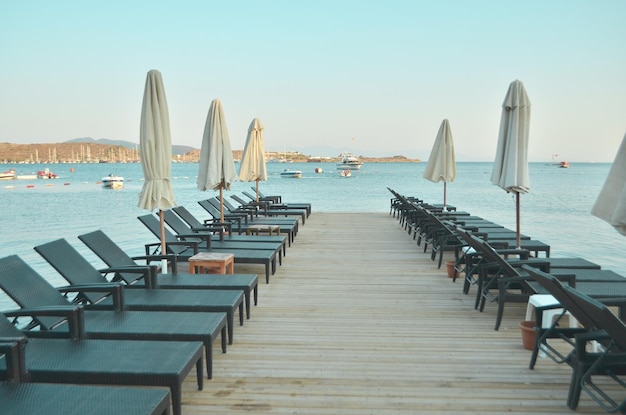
(256, 229)
(212, 263)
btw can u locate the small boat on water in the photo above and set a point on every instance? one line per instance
(112, 182)
(564, 165)
(8, 175)
(47, 174)
(291, 174)
(345, 173)
(26, 177)
(348, 161)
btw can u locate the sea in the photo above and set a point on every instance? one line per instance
(555, 211)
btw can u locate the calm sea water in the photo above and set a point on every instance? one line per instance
(556, 211)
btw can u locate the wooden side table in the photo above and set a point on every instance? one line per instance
(212, 263)
(256, 229)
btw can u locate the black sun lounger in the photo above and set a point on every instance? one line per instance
(267, 210)
(78, 271)
(105, 362)
(196, 226)
(112, 255)
(30, 290)
(190, 247)
(51, 399)
(275, 203)
(181, 228)
(241, 221)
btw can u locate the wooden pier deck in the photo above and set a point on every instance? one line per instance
(358, 320)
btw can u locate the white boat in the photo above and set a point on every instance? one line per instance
(8, 175)
(292, 174)
(348, 161)
(345, 173)
(112, 182)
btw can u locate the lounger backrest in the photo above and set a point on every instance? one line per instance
(227, 204)
(602, 316)
(152, 223)
(111, 254)
(239, 200)
(557, 290)
(72, 266)
(187, 216)
(208, 206)
(492, 255)
(107, 250)
(249, 195)
(178, 225)
(29, 289)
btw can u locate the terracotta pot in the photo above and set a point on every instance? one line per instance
(450, 267)
(528, 334)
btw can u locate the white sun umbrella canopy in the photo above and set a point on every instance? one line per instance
(155, 150)
(217, 166)
(510, 168)
(442, 163)
(252, 167)
(610, 205)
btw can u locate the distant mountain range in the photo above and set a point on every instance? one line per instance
(176, 149)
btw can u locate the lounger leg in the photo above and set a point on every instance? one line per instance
(241, 314)
(208, 348)
(574, 388)
(247, 302)
(230, 318)
(199, 370)
(224, 336)
(500, 312)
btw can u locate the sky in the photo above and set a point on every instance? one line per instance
(375, 78)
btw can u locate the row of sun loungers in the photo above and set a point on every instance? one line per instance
(128, 323)
(486, 256)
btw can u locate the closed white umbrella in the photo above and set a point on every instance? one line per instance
(510, 168)
(252, 167)
(217, 167)
(610, 205)
(442, 163)
(155, 150)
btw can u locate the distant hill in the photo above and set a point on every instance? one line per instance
(176, 149)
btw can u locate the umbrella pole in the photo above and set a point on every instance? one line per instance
(444, 195)
(517, 220)
(163, 247)
(257, 191)
(221, 205)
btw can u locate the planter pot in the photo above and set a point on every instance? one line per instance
(528, 334)
(450, 268)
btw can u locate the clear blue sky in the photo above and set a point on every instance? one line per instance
(373, 77)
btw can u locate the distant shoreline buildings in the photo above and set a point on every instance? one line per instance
(79, 153)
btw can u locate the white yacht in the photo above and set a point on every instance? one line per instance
(348, 161)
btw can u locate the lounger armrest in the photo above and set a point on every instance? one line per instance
(114, 288)
(144, 270)
(190, 244)
(74, 314)
(582, 339)
(216, 227)
(236, 218)
(205, 237)
(14, 358)
(148, 272)
(172, 258)
(522, 253)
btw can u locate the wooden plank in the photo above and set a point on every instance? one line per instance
(359, 320)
